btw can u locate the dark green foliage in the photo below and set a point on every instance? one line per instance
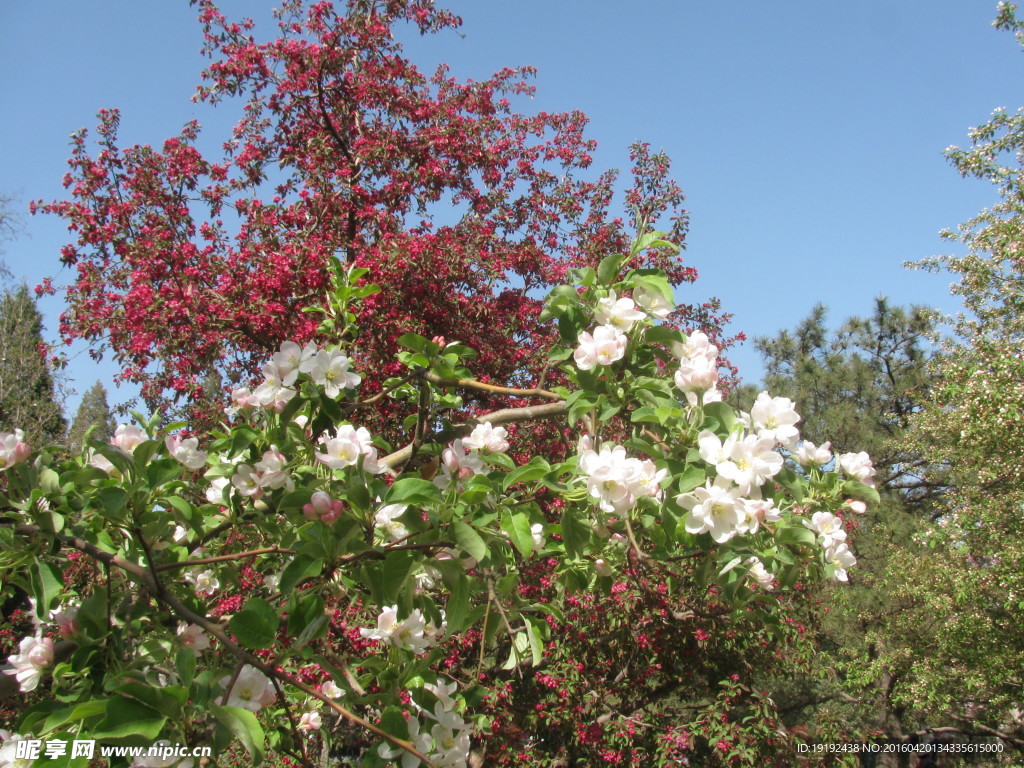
(94, 411)
(858, 388)
(27, 394)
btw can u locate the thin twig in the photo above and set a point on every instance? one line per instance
(222, 558)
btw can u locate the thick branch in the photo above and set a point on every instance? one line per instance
(504, 416)
(433, 378)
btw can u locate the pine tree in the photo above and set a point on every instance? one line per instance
(27, 393)
(93, 412)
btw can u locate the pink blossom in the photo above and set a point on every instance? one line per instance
(13, 448)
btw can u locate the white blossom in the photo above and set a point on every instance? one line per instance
(486, 437)
(653, 303)
(193, 636)
(346, 446)
(828, 527)
(810, 455)
(604, 347)
(410, 633)
(842, 558)
(858, 466)
(13, 448)
(329, 369)
(34, 655)
(252, 690)
(713, 509)
(386, 519)
(185, 451)
(620, 314)
(774, 418)
(760, 574)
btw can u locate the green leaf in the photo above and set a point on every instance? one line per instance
(660, 334)
(469, 541)
(244, 726)
(167, 701)
(517, 526)
(796, 534)
(413, 341)
(46, 587)
(652, 239)
(724, 414)
(241, 438)
(181, 506)
(608, 269)
(112, 500)
(163, 471)
(127, 722)
(792, 482)
(255, 625)
(730, 565)
(457, 609)
(645, 415)
(301, 568)
(185, 661)
(575, 533)
(536, 468)
(413, 490)
(858, 490)
(75, 713)
(533, 632)
(690, 478)
(395, 571)
(121, 461)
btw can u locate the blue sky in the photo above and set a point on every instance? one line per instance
(807, 135)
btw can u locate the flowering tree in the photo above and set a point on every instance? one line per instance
(294, 583)
(186, 262)
(971, 583)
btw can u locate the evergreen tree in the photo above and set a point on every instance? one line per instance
(859, 387)
(93, 412)
(27, 394)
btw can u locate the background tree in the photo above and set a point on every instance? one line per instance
(27, 394)
(971, 430)
(859, 387)
(93, 412)
(461, 209)
(10, 225)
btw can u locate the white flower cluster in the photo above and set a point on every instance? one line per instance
(328, 368)
(731, 503)
(832, 538)
(616, 318)
(616, 480)
(268, 474)
(346, 447)
(415, 632)
(697, 376)
(204, 583)
(447, 743)
(193, 636)
(461, 460)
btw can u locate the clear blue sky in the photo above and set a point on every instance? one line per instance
(807, 135)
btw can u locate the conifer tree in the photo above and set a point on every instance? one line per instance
(93, 412)
(27, 394)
